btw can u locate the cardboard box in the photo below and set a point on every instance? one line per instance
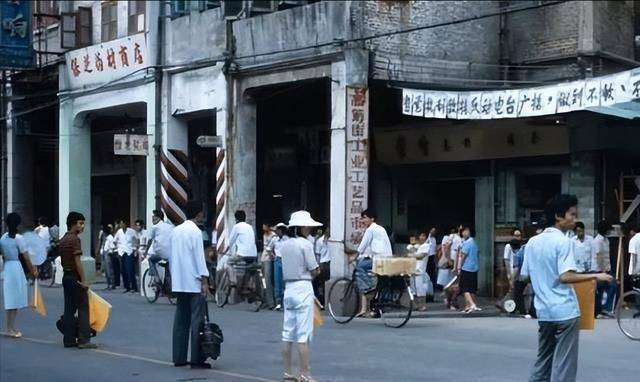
(392, 266)
(586, 293)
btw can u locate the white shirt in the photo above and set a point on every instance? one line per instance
(456, 245)
(601, 245)
(433, 245)
(242, 240)
(583, 252)
(187, 263)
(109, 245)
(634, 252)
(421, 264)
(322, 249)
(277, 243)
(160, 234)
(142, 237)
(546, 257)
(376, 240)
(125, 241)
(43, 232)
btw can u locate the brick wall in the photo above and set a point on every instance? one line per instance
(543, 33)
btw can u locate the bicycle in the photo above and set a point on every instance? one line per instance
(628, 317)
(47, 272)
(392, 301)
(252, 285)
(153, 285)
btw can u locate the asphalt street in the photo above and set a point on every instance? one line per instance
(136, 346)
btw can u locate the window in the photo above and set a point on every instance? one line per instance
(136, 16)
(83, 27)
(109, 21)
(47, 11)
(76, 28)
(179, 8)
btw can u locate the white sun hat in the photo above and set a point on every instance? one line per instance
(303, 219)
(280, 225)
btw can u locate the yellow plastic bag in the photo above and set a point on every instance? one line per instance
(318, 318)
(38, 303)
(99, 311)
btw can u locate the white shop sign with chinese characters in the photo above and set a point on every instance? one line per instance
(130, 144)
(109, 61)
(528, 102)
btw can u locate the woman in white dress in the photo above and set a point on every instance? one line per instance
(299, 267)
(14, 284)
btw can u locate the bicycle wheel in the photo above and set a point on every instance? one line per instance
(257, 285)
(343, 300)
(629, 317)
(395, 303)
(223, 289)
(150, 287)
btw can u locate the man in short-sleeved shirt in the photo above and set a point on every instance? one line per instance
(583, 248)
(634, 252)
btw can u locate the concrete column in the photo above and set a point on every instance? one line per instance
(339, 265)
(74, 158)
(582, 183)
(241, 159)
(484, 223)
(151, 177)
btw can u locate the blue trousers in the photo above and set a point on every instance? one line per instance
(278, 285)
(611, 289)
(129, 272)
(363, 279)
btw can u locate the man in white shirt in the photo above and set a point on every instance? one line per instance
(583, 248)
(601, 262)
(432, 268)
(242, 245)
(125, 243)
(189, 283)
(158, 246)
(549, 263)
(321, 250)
(634, 252)
(42, 230)
(375, 243)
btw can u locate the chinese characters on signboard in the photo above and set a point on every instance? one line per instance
(129, 144)
(15, 34)
(561, 98)
(101, 63)
(357, 173)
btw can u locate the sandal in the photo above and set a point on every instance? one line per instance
(286, 377)
(306, 378)
(14, 334)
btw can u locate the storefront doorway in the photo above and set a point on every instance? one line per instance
(293, 150)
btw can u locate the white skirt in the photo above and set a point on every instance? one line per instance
(14, 286)
(298, 312)
(444, 276)
(422, 285)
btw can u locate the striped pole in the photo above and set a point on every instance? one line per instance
(174, 179)
(221, 191)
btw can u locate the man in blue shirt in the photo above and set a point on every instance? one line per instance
(550, 264)
(468, 270)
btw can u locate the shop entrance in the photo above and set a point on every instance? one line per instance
(293, 150)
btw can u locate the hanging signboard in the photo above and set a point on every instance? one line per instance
(528, 102)
(102, 63)
(16, 50)
(130, 144)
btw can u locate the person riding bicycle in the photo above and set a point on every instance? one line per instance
(159, 244)
(375, 243)
(242, 245)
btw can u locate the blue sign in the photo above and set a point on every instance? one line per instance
(16, 50)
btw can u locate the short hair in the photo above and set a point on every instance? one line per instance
(472, 231)
(73, 218)
(43, 221)
(141, 222)
(370, 213)
(107, 229)
(513, 231)
(515, 244)
(558, 206)
(603, 227)
(192, 209)
(159, 214)
(580, 225)
(240, 215)
(13, 220)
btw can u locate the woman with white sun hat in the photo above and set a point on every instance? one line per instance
(299, 267)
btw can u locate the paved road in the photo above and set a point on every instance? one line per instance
(136, 346)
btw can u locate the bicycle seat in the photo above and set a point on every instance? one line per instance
(163, 263)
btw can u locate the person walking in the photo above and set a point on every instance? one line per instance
(108, 252)
(601, 262)
(299, 267)
(421, 279)
(125, 242)
(76, 333)
(276, 244)
(550, 264)
(189, 283)
(14, 282)
(267, 257)
(468, 270)
(583, 249)
(374, 243)
(432, 268)
(323, 257)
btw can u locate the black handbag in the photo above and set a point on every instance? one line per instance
(210, 337)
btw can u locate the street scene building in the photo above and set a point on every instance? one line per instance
(434, 114)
